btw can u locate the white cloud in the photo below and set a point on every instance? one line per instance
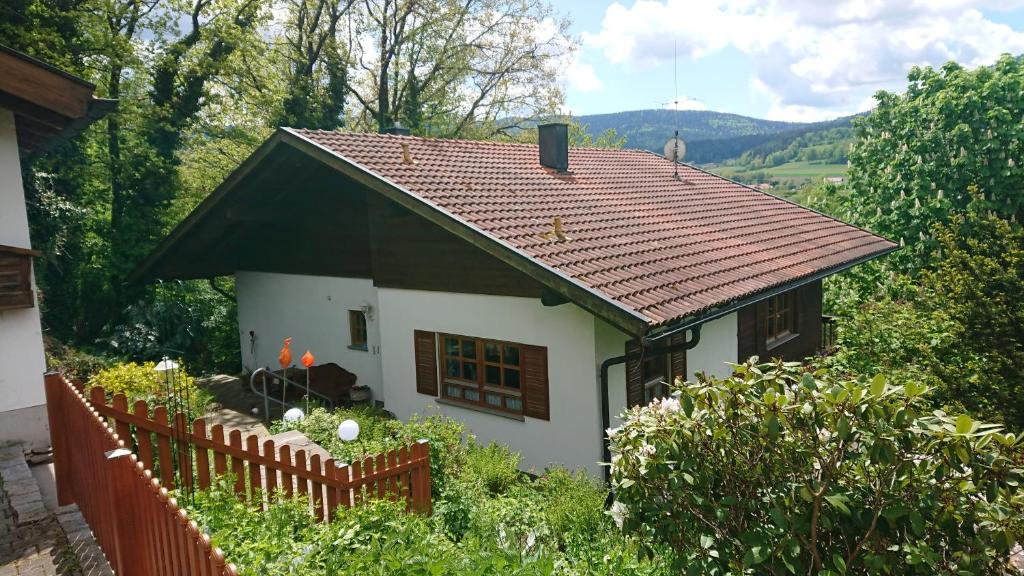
(581, 76)
(813, 59)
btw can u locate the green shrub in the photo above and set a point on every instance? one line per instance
(959, 329)
(779, 471)
(573, 505)
(142, 382)
(139, 381)
(494, 466)
(73, 363)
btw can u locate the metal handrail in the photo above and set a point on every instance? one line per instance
(285, 383)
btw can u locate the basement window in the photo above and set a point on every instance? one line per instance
(357, 329)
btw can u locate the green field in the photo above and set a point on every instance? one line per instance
(788, 175)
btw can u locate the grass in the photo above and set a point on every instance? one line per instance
(790, 174)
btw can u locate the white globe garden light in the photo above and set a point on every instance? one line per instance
(348, 430)
(294, 415)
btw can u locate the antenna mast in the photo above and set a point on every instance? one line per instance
(675, 106)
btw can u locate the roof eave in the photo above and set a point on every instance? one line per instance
(687, 322)
(143, 271)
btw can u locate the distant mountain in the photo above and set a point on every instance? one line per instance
(710, 137)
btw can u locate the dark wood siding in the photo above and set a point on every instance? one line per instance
(410, 252)
(751, 337)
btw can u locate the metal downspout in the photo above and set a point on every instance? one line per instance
(651, 353)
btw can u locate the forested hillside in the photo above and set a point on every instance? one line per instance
(713, 137)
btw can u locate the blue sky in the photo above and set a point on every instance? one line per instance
(800, 60)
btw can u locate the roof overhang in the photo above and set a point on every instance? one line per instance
(683, 324)
(49, 105)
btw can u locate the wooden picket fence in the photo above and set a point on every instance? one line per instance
(261, 469)
(139, 527)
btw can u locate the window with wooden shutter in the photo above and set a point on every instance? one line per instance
(535, 382)
(425, 346)
(677, 360)
(634, 375)
(494, 375)
(16, 278)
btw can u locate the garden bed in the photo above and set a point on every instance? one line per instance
(488, 518)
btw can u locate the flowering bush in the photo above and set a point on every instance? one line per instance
(138, 381)
(780, 471)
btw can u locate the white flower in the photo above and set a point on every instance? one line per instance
(619, 512)
(647, 450)
(611, 432)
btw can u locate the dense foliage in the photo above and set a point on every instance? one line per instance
(959, 329)
(777, 470)
(919, 154)
(488, 518)
(176, 390)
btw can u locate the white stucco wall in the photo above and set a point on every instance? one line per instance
(313, 311)
(718, 346)
(610, 342)
(22, 360)
(571, 437)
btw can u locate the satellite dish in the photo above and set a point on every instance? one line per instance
(675, 149)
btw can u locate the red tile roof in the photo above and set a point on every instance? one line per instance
(661, 247)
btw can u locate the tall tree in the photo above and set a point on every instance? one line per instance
(457, 68)
(918, 154)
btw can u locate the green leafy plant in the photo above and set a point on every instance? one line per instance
(959, 328)
(777, 470)
(494, 466)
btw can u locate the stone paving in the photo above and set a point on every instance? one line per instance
(34, 541)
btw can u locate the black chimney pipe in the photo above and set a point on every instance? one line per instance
(554, 145)
(398, 130)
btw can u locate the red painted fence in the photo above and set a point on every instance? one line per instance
(140, 529)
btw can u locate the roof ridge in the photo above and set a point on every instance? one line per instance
(456, 140)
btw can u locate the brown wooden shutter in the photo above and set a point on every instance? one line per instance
(426, 362)
(534, 362)
(677, 360)
(634, 376)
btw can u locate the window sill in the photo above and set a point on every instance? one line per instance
(780, 341)
(478, 408)
(362, 348)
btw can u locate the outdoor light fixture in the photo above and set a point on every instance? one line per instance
(367, 311)
(294, 415)
(348, 430)
(166, 365)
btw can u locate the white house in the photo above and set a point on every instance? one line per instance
(40, 106)
(532, 292)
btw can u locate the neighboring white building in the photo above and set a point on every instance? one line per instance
(39, 107)
(472, 279)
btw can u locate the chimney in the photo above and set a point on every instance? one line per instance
(397, 129)
(554, 146)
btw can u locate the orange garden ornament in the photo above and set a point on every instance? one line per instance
(308, 359)
(285, 357)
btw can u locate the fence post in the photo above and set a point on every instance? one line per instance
(56, 390)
